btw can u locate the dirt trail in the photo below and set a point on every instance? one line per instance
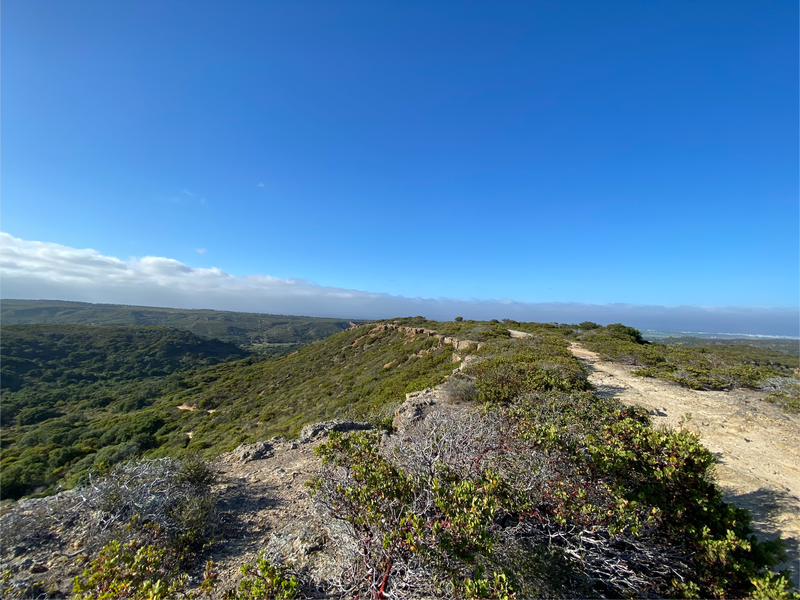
(756, 443)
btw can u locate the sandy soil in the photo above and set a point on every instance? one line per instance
(756, 443)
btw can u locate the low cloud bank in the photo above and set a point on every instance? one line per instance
(43, 270)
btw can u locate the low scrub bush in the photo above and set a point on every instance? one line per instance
(421, 525)
(164, 504)
(137, 572)
(461, 388)
(503, 378)
(170, 495)
(555, 494)
(264, 581)
(695, 367)
(784, 391)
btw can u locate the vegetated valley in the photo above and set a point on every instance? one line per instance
(254, 331)
(506, 476)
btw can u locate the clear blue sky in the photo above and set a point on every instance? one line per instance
(587, 151)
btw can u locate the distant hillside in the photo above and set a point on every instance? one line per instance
(261, 331)
(59, 355)
(56, 429)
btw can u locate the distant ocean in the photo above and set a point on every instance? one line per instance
(652, 334)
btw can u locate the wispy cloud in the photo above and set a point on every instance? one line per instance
(188, 193)
(200, 250)
(261, 184)
(47, 270)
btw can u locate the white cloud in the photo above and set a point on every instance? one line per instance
(188, 193)
(51, 271)
(200, 250)
(261, 184)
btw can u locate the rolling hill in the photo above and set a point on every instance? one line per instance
(251, 330)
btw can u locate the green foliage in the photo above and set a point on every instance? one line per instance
(136, 572)
(357, 373)
(498, 585)
(69, 354)
(785, 394)
(252, 330)
(773, 586)
(667, 471)
(170, 497)
(479, 331)
(547, 366)
(575, 476)
(264, 581)
(698, 367)
(65, 388)
(622, 332)
(440, 517)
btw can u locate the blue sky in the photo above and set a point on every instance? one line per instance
(591, 152)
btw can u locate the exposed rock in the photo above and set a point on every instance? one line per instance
(464, 344)
(247, 452)
(316, 430)
(468, 360)
(519, 334)
(416, 407)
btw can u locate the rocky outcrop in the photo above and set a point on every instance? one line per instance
(315, 431)
(248, 452)
(457, 344)
(417, 406)
(518, 335)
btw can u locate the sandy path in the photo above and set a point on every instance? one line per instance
(756, 443)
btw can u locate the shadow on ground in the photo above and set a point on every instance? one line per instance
(768, 508)
(609, 391)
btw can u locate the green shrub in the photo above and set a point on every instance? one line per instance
(264, 581)
(784, 391)
(565, 483)
(504, 378)
(171, 496)
(136, 572)
(773, 586)
(437, 520)
(668, 473)
(696, 367)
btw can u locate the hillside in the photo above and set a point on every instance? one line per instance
(78, 416)
(252, 330)
(512, 477)
(60, 381)
(59, 355)
(76, 397)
